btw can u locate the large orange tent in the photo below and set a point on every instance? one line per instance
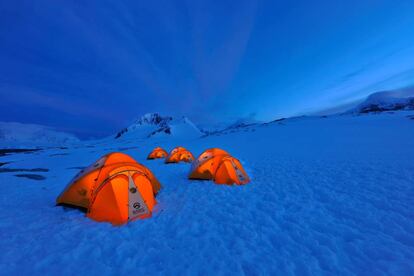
(220, 166)
(114, 189)
(179, 154)
(157, 153)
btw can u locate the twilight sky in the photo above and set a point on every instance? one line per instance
(90, 67)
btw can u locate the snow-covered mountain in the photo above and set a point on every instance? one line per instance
(14, 134)
(155, 125)
(385, 101)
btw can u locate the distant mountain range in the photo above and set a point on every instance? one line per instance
(231, 127)
(18, 134)
(384, 101)
(155, 125)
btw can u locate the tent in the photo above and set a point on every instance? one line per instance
(179, 154)
(220, 166)
(114, 189)
(157, 153)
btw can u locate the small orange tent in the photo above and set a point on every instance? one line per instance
(157, 153)
(179, 154)
(220, 166)
(114, 189)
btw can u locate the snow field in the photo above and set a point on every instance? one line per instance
(328, 196)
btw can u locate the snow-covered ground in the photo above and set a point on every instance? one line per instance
(331, 196)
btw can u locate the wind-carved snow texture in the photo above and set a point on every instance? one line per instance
(329, 196)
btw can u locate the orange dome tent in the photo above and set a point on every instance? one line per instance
(157, 153)
(179, 154)
(114, 189)
(220, 166)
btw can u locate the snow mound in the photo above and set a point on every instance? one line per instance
(155, 125)
(385, 101)
(22, 135)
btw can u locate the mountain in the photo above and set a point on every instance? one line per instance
(18, 134)
(155, 125)
(386, 101)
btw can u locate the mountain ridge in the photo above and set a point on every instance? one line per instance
(153, 124)
(14, 133)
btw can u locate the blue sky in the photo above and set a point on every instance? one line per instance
(90, 67)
